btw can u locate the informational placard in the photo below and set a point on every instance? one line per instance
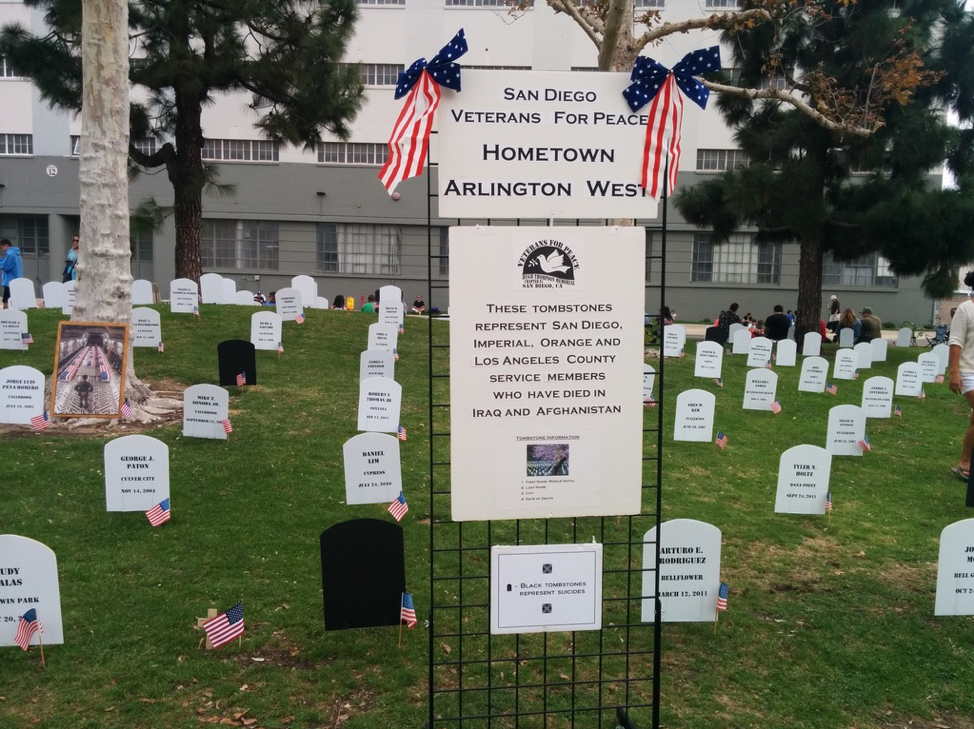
(904, 337)
(13, 325)
(864, 355)
(205, 407)
(136, 473)
(383, 336)
(545, 588)
(546, 359)
(929, 366)
(909, 382)
(786, 353)
(28, 579)
(709, 361)
(542, 144)
(289, 303)
(183, 296)
(694, 416)
(803, 480)
(142, 294)
(266, 330)
(741, 341)
(376, 363)
(689, 571)
(373, 472)
(759, 353)
(880, 346)
(146, 328)
(211, 288)
(674, 340)
(847, 426)
(21, 394)
(649, 380)
(955, 570)
(815, 371)
(812, 345)
(846, 364)
(760, 389)
(69, 295)
(877, 397)
(379, 404)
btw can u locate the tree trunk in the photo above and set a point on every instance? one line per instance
(187, 178)
(811, 245)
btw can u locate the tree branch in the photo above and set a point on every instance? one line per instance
(589, 23)
(712, 22)
(617, 13)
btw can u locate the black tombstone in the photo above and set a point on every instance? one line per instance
(363, 574)
(237, 357)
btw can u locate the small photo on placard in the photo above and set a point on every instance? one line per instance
(89, 365)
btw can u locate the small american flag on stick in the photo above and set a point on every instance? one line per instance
(401, 434)
(26, 338)
(722, 595)
(721, 439)
(27, 625)
(828, 501)
(241, 379)
(864, 444)
(227, 428)
(898, 411)
(408, 611)
(225, 626)
(831, 389)
(159, 514)
(299, 318)
(775, 407)
(399, 507)
(40, 422)
(126, 410)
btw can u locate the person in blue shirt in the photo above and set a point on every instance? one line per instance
(11, 266)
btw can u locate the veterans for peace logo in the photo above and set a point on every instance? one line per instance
(548, 264)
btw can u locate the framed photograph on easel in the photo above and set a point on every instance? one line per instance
(89, 369)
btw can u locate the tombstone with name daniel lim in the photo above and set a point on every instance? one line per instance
(13, 326)
(53, 294)
(803, 480)
(694, 416)
(846, 338)
(812, 345)
(363, 574)
(877, 397)
(709, 361)
(136, 473)
(22, 294)
(847, 426)
(759, 353)
(674, 340)
(70, 292)
(228, 292)
(390, 313)
(266, 330)
(760, 389)
(373, 470)
(732, 330)
(21, 394)
(183, 296)
(307, 287)
(786, 353)
(929, 364)
(142, 293)
(815, 372)
(245, 298)
(383, 336)
(864, 351)
(846, 364)
(741, 342)
(943, 355)
(880, 346)
(205, 407)
(376, 363)
(211, 288)
(146, 327)
(28, 579)
(289, 303)
(955, 570)
(909, 382)
(689, 571)
(237, 357)
(379, 404)
(904, 336)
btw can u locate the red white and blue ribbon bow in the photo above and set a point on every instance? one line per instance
(410, 138)
(652, 81)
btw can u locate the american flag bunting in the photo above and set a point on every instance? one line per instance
(27, 625)
(225, 626)
(407, 611)
(399, 507)
(159, 514)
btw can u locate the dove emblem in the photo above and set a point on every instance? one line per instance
(554, 262)
(544, 265)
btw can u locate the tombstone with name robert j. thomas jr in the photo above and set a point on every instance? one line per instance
(373, 471)
(266, 330)
(812, 345)
(760, 389)
(709, 361)
(183, 296)
(376, 363)
(955, 570)
(815, 372)
(205, 407)
(21, 394)
(741, 341)
(237, 357)
(759, 353)
(880, 347)
(13, 326)
(649, 380)
(786, 353)
(383, 336)
(136, 473)
(803, 480)
(674, 340)
(146, 328)
(689, 571)
(289, 304)
(379, 403)
(846, 428)
(943, 355)
(29, 580)
(929, 365)
(909, 380)
(363, 574)
(864, 351)
(694, 416)
(846, 364)
(877, 397)
(142, 294)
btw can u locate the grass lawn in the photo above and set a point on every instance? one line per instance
(828, 625)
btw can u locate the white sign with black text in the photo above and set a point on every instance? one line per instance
(146, 328)
(21, 394)
(803, 480)
(136, 473)
(689, 571)
(28, 580)
(373, 473)
(955, 570)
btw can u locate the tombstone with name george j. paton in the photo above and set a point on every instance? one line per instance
(237, 357)
(136, 473)
(847, 426)
(205, 407)
(146, 327)
(943, 354)
(183, 296)
(21, 394)
(689, 571)
(674, 340)
(880, 347)
(904, 337)
(864, 352)
(812, 345)
(363, 574)
(379, 403)
(741, 342)
(909, 382)
(142, 293)
(373, 471)
(13, 326)
(383, 336)
(803, 480)
(28, 579)
(786, 353)
(289, 303)
(709, 361)
(815, 372)
(877, 397)
(694, 416)
(929, 365)
(955, 570)
(760, 389)
(846, 364)
(376, 363)
(266, 330)
(649, 380)
(759, 353)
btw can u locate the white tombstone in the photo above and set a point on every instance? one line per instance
(13, 326)
(390, 312)
(205, 407)
(786, 353)
(694, 416)
(321, 303)
(759, 353)
(379, 404)
(943, 354)
(847, 337)
(70, 291)
(847, 426)
(376, 363)
(383, 336)
(903, 337)
(812, 345)
(266, 330)
(846, 364)
(929, 365)
(815, 372)
(909, 382)
(709, 361)
(146, 327)
(229, 293)
(136, 473)
(289, 303)
(879, 346)
(245, 298)
(33, 583)
(864, 354)
(741, 342)
(689, 571)
(803, 480)
(760, 389)
(674, 340)
(22, 294)
(308, 288)
(21, 394)
(955, 570)
(53, 293)
(390, 293)
(142, 294)
(211, 288)
(877, 397)
(649, 380)
(373, 473)
(734, 329)
(183, 296)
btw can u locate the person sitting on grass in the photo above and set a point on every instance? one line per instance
(419, 306)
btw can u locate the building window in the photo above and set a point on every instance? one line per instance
(75, 145)
(718, 160)
(6, 70)
(353, 153)
(32, 235)
(444, 251)
(359, 248)
(480, 3)
(381, 74)
(142, 246)
(381, 2)
(869, 270)
(649, 4)
(738, 261)
(722, 4)
(241, 150)
(12, 144)
(241, 244)
(145, 146)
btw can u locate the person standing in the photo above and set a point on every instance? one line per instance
(777, 325)
(726, 318)
(834, 314)
(71, 264)
(961, 363)
(11, 267)
(872, 326)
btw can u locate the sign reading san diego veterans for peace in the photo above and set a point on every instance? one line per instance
(546, 365)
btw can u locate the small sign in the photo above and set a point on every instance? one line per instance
(812, 345)
(390, 313)
(211, 288)
(955, 570)
(265, 330)
(373, 472)
(146, 328)
(694, 416)
(803, 480)
(877, 397)
(289, 303)
(376, 363)
(53, 294)
(760, 389)
(909, 382)
(815, 371)
(929, 366)
(183, 296)
(21, 394)
(741, 342)
(674, 340)
(689, 571)
(228, 292)
(846, 364)
(847, 337)
(733, 329)
(709, 361)
(759, 353)
(136, 473)
(847, 426)
(383, 336)
(28, 579)
(23, 294)
(879, 346)
(89, 368)
(205, 407)
(13, 325)
(379, 403)
(786, 353)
